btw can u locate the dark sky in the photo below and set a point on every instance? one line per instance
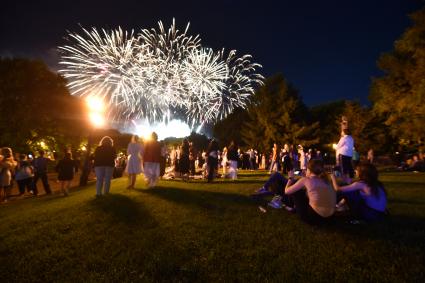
(328, 49)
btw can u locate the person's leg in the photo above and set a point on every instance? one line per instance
(108, 177)
(62, 187)
(156, 174)
(100, 177)
(300, 201)
(132, 180)
(275, 178)
(67, 186)
(21, 186)
(45, 181)
(354, 202)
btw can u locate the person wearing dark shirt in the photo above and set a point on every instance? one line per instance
(40, 168)
(104, 163)
(66, 168)
(151, 159)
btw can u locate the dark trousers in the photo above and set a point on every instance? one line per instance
(212, 164)
(276, 181)
(28, 183)
(44, 180)
(358, 207)
(305, 211)
(192, 168)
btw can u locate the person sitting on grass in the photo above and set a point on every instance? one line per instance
(274, 185)
(313, 196)
(365, 198)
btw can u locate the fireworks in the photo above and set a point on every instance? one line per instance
(157, 72)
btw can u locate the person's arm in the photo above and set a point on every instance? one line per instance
(292, 188)
(349, 188)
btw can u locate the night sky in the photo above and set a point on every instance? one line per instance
(328, 49)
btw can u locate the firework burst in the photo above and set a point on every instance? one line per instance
(157, 72)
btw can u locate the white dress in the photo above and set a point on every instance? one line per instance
(134, 163)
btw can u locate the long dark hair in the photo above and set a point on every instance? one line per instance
(317, 168)
(369, 175)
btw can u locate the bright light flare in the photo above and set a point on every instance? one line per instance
(95, 104)
(97, 119)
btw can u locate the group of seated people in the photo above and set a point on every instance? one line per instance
(315, 197)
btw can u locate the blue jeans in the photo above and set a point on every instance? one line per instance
(103, 178)
(358, 207)
(279, 180)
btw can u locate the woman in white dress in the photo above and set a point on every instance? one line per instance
(224, 161)
(134, 164)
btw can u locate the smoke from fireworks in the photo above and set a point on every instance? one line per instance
(157, 72)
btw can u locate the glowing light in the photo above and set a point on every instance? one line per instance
(174, 128)
(144, 76)
(334, 146)
(97, 119)
(95, 104)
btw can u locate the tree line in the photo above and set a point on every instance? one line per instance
(36, 106)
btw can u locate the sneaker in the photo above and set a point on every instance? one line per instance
(290, 209)
(262, 191)
(276, 202)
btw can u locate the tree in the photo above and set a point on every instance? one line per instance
(228, 129)
(36, 106)
(277, 114)
(399, 95)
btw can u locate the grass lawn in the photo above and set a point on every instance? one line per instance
(206, 232)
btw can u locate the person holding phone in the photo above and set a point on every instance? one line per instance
(313, 196)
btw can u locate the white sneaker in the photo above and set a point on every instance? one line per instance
(276, 202)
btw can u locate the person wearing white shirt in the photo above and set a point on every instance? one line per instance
(344, 152)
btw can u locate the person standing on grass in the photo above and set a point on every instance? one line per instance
(344, 152)
(25, 175)
(152, 159)
(212, 160)
(66, 168)
(7, 167)
(104, 163)
(134, 164)
(274, 167)
(184, 162)
(313, 196)
(366, 198)
(40, 167)
(233, 157)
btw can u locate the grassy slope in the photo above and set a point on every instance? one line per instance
(196, 232)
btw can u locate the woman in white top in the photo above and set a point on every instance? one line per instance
(134, 164)
(366, 198)
(313, 196)
(344, 152)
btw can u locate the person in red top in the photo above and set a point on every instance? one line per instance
(152, 159)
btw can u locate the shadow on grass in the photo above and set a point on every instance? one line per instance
(123, 209)
(397, 229)
(201, 198)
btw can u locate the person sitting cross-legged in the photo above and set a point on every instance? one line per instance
(365, 198)
(313, 196)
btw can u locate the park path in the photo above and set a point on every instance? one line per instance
(54, 186)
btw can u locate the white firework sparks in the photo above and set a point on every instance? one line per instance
(149, 75)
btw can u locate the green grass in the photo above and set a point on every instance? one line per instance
(206, 232)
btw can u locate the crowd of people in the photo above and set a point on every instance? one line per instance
(299, 179)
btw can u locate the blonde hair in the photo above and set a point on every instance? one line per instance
(6, 152)
(106, 141)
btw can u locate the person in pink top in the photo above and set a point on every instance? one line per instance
(313, 196)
